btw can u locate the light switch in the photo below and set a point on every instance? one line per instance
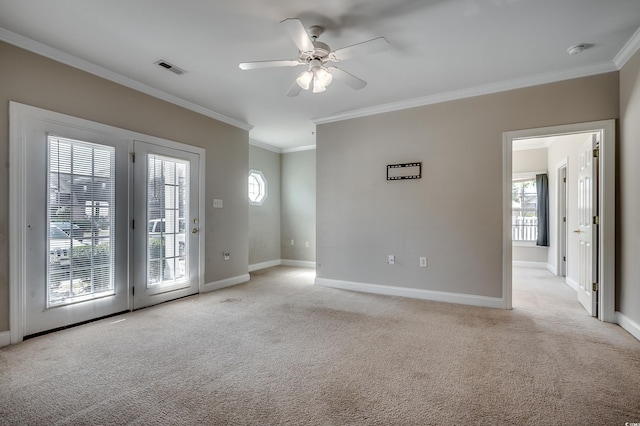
(217, 204)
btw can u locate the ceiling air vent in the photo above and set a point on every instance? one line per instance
(172, 68)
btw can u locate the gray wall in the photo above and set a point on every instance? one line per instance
(298, 213)
(34, 80)
(628, 197)
(453, 215)
(264, 220)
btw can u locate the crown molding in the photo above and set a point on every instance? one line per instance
(60, 56)
(264, 145)
(627, 51)
(486, 89)
(298, 149)
(277, 150)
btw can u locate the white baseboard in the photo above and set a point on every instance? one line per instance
(572, 283)
(263, 265)
(228, 282)
(5, 338)
(298, 263)
(414, 293)
(529, 264)
(551, 268)
(628, 324)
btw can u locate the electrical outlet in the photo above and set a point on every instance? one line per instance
(306, 244)
(217, 204)
(392, 260)
(423, 262)
(292, 242)
(227, 255)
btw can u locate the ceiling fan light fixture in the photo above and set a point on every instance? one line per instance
(318, 88)
(304, 79)
(322, 77)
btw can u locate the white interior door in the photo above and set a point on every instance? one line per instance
(77, 186)
(167, 227)
(588, 230)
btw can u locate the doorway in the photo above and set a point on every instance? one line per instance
(76, 192)
(603, 271)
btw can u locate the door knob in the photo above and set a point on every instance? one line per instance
(194, 230)
(577, 231)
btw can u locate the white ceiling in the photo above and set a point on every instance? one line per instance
(439, 50)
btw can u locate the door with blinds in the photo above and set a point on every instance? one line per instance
(76, 227)
(167, 228)
(95, 232)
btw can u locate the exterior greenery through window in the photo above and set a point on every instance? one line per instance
(257, 187)
(524, 220)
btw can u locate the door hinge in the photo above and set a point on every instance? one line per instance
(133, 291)
(133, 224)
(133, 157)
(564, 219)
(596, 220)
(564, 258)
(564, 180)
(596, 152)
(595, 287)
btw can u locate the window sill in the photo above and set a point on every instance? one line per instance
(523, 244)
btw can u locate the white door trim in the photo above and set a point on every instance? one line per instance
(19, 117)
(561, 225)
(606, 208)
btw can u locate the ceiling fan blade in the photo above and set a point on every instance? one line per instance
(296, 31)
(349, 79)
(294, 90)
(269, 64)
(375, 45)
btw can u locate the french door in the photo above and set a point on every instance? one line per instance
(167, 229)
(76, 235)
(96, 230)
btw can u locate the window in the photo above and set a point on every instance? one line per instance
(524, 220)
(167, 207)
(80, 221)
(257, 187)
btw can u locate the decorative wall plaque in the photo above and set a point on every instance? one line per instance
(404, 171)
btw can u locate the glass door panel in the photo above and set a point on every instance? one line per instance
(81, 221)
(166, 248)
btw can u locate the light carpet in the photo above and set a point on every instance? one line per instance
(278, 350)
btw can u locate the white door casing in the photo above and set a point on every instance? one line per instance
(606, 208)
(561, 261)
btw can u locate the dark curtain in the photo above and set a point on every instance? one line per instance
(542, 187)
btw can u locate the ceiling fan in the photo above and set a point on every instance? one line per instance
(316, 55)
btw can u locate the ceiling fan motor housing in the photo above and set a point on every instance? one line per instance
(321, 51)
